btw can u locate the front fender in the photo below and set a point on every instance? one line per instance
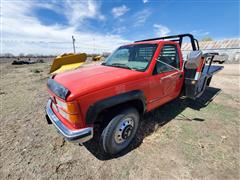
(97, 107)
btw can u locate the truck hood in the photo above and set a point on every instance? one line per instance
(89, 79)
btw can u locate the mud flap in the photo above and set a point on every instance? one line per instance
(48, 120)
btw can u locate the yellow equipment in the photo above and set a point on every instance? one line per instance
(97, 58)
(66, 62)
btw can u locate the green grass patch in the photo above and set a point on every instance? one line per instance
(221, 112)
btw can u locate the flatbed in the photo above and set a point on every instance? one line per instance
(211, 70)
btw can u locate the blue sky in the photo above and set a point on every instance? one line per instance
(46, 26)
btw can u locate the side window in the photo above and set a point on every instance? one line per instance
(167, 59)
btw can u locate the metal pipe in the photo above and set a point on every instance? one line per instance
(74, 50)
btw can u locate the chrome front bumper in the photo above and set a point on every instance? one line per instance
(76, 136)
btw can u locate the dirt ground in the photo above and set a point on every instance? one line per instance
(180, 140)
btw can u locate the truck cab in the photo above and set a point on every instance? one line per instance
(134, 79)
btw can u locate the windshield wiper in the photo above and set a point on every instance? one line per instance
(118, 65)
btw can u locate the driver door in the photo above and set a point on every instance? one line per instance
(166, 76)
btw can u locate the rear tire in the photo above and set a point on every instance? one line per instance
(120, 131)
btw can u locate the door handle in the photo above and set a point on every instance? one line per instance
(164, 77)
(171, 76)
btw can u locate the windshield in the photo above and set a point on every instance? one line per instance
(136, 57)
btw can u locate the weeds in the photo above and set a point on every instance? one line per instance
(36, 70)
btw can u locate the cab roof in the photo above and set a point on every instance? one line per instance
(151, 42)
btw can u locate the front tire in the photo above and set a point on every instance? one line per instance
(120, 131)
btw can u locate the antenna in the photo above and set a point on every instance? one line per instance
(73, 39)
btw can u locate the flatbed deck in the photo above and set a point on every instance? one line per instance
(212, 69)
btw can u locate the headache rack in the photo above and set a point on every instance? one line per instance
(177, 38)
(197, 74)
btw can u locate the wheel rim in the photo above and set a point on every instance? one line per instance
(124, 130)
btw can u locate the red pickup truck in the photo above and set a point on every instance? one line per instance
(134, 79)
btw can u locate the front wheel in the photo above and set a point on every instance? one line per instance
(120, 131)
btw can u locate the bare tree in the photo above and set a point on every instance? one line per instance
(207, 38)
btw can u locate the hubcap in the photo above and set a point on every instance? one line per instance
(124, 130)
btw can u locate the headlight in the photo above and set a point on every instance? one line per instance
(69, 107)
(63, 114)
(71, 118)
(62, 104)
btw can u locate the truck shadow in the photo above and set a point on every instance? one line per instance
(157, 118)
